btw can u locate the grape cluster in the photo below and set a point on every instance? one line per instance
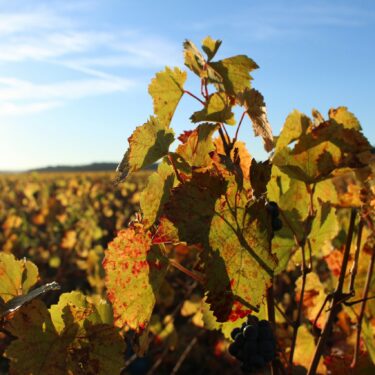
(273, 209)
(254, 344)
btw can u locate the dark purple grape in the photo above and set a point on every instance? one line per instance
(267, 350)
(256, 361)
(235, 332)
(276, 224)
(252, 320)
(239, 339)
(273, 209)
(234, 348)
(250, 332)
(265, 331)
(247, 368)
(250, 348)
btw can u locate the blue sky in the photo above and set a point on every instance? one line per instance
(74, 73)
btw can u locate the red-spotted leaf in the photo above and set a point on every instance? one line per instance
(135, 270)
(166, 90)
(148, 143)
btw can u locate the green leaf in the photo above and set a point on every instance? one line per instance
(157, 192)
(319, 150)
(291, 196)
(256, 109)
(196, 150)
(210, 46)
(295, 125)
(64, 339)
(38, 348)
(166, 90)
(234, 72)
(236, 239)
(135, 271)
(16, 276)
(217, 109)
(148, 143)
(325, 227)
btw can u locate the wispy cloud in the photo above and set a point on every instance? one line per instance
(49, 36)
(274, 20)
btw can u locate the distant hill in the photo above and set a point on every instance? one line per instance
(93, 167)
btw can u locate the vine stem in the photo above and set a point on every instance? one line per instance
(336, 299)
(194, 96)
(362, 311)
(184, 355)
(177, 173)
(238, 127)
(305, 270)
(354, 269)
(180, 267)
(297, 323)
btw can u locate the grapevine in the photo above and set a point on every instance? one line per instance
(278, 254)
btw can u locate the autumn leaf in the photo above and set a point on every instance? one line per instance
(196, 150)
(156, 192)
(256, 109)
(210, 46)
(166, 90)
(16, 276)
(234, 73)
(70, 336)
(218, 108)
(148, 143)
(207, 210)
(135, 270)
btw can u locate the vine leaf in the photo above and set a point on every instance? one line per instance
(210, 46)
(295, 125)
(156, 192)
(166, 90)
(342, 116)
(16, 276)
(135, 270)
(217, 109)
(38, 348)
(234, 73)
(197, 147)
(194, 60)
(320, 150)
(305, 348)
(209, 210)
(148, 143)
(64, 338)
(313, 298)
(256, 109)
(239, 157)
